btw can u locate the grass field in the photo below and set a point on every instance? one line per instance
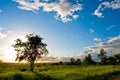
(14, 71)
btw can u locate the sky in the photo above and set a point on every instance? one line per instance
(70, 28)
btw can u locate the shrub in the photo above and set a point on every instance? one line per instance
(23, 70)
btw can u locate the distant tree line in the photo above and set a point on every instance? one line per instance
(104, 60)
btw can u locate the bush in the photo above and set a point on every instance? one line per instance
(23, 70)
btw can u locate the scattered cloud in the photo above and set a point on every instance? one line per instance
(97, 39)
(112, 26)
(92, 30)
(75, 16)
(4, 32)
(111, 46)
(50, 59)
(112, 43)
(97, 13)
(64, 10)
(113, 4)
(2, 35)
(54, 59)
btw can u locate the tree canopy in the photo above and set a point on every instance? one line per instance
(102, 56)
(30, 50)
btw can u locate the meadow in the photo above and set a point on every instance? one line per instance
(20, 71)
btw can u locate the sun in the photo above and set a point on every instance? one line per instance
(9, 51)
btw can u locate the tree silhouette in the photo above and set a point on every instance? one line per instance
(111, 60)
(72, 60)
(102, 56)
(88, 60)
(78, 62)
(117, 58)
(30, 50)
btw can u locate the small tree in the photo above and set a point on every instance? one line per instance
(72, 60)
(78, 62)
(31, 50)
(117, 58)
(88, 60)
(111, 60)
(102, 56)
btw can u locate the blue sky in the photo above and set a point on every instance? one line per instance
(71, 28)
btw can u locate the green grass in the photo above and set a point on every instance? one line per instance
(12, 71)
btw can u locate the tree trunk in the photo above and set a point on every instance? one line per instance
(32, 66)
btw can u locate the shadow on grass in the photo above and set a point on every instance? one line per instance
(19, 76)
(107, 76)
(46, 69)
(38, 76)
(43, 77)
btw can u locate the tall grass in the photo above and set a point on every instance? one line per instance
(57, 72)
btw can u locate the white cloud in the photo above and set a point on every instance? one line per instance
(75, 16)
(65, 11)
(97, 39)
(2, 35)
(112, 43)
(113, 4)
(97, 13)
(112, 26)
(111, 46)
(4, 32)
(92, 30)
(50, 59)
(57, 59)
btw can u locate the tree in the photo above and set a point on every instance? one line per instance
(88, 60)
(61, 63)
(72, 61)
(111, 60)
(30, 50)
(117, 58)
(78, 62)
(102, 56)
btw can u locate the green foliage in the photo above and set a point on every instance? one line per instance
(102, 56)
(58, 72)
(88, 60)
(75, 62)
(72, 60)
(117, 58)
(113, 60)
(78, 62)
(30, 50)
